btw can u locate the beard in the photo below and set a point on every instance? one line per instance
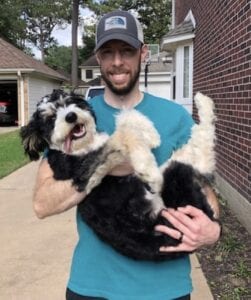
(122, 91)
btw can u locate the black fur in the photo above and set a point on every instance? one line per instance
(119, 213)
(117, 209)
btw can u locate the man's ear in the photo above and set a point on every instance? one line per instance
(97, 58)
(144, 52)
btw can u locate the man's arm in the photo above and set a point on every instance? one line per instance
(193, 225)
(53, 196)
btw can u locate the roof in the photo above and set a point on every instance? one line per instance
(14, 58)
(90, 62)
(181, 33)
(185, 27)
(153, 67)
(160, 66)
(95, 81)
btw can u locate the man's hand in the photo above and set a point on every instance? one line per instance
(192, 225)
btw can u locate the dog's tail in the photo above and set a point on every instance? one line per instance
(205, 106)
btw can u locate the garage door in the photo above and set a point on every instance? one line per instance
(8, 102)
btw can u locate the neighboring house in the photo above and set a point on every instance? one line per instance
(25, 79)
(90, 69)
(211, 42)
(156, 81)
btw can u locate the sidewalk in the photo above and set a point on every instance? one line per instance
(36, 254)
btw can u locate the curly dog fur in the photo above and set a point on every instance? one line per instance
(124, 210)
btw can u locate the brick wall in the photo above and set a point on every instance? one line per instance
(222, 70)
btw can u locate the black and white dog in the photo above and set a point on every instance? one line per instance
(123, 211)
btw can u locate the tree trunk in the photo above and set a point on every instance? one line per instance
(74, 64)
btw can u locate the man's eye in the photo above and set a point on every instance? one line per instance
(106, 52)
(128, 52)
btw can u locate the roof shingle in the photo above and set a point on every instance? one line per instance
(13, 58)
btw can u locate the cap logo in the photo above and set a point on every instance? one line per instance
(115, 22)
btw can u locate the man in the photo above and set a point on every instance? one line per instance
(98, 271)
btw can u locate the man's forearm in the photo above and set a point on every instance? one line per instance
(53, 196)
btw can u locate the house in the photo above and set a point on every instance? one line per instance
(211, 45)
(155, 77)
(25, 80)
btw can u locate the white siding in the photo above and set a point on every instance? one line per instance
(158, 84)
(39, 87)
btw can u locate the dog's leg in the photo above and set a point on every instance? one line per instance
(199, 150)
(145, 167)
(110, 160)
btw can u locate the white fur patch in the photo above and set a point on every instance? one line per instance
(199, 150)
(131, 118)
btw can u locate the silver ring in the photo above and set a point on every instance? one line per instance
(181, 237)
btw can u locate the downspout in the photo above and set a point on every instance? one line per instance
(173, 14)
(21, 97)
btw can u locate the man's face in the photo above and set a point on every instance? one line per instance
(120, 66)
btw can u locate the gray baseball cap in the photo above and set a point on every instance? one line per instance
(119, 25)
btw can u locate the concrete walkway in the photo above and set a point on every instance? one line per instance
(5, 129)
(35, 255)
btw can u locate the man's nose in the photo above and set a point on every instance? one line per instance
(118, 58)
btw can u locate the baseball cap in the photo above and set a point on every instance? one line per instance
(119, 25)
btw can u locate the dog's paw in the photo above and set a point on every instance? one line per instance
(157, 203)
(153, 178)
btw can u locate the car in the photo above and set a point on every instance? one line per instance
(8, 112)
(94, 91)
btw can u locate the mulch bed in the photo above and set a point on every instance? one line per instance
(227, 264)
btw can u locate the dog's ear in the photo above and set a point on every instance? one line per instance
(33, 140)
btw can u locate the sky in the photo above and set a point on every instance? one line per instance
(63, 36)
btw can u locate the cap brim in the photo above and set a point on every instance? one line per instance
(120, 37)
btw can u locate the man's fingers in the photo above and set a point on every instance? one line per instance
(181, 221)
(190, 210)
(169, 231)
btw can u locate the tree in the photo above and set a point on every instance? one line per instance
(41, 17)
(59, 57)
(74, 36)
(89, 25)
(155, 15)
(88, 49)
(12, 25)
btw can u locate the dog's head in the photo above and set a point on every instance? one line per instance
(61, 121)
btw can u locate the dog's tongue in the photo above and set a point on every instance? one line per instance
(77, 132)
(67, 144)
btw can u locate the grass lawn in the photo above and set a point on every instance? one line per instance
(11, 153)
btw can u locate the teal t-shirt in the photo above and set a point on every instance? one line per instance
(97, 269)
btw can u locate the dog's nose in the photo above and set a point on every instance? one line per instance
(71, 117)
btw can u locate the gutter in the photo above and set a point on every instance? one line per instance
(28, 71)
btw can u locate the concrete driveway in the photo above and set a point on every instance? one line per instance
(36, 254)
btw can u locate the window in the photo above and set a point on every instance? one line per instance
(186, 73)
(89, 74)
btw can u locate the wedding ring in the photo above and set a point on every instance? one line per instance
(181, 237)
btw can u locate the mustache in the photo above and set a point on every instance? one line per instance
(118, 70)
